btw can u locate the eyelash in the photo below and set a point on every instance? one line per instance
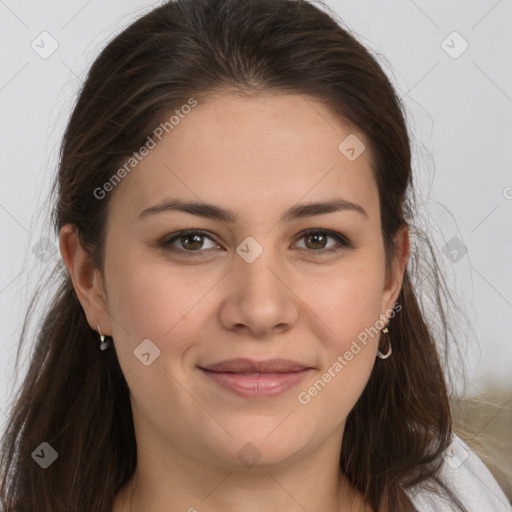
(345, 243)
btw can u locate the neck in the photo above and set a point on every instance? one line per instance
(312, 482)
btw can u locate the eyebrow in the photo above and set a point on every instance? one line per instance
(211, 211)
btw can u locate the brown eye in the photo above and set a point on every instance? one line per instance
(191, 241)
(187, 241)
(316, 241)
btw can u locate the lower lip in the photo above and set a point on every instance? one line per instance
(257, 386)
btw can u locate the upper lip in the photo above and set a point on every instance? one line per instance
(243, 365)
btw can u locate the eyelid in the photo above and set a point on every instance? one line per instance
(343, 241)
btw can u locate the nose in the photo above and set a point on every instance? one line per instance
(259, 298)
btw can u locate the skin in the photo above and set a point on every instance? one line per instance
(257, 156)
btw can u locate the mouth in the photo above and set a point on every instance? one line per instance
(244, 365)
(256, 379)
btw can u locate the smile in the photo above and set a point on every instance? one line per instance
(256, 384)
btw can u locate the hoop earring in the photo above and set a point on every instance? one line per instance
(104, 344)
(390, 350)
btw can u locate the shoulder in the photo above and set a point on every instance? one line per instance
(468, 478)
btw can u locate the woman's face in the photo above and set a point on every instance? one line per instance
(254, 287)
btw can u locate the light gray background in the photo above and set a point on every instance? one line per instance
(459, 112)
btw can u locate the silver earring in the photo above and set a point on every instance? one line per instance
(390, 351)
(104, 344)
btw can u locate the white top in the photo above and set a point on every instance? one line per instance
(468, 478)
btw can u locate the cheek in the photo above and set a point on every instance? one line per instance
(351, 300)
(140, 298)
(349, 346)
(148, 298)
(350, 310)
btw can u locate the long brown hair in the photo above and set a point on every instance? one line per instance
(75, 397)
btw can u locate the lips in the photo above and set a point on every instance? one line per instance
(256, 379)
(243, 365)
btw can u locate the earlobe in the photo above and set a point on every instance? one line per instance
(87, 280)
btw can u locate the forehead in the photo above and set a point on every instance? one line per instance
(253, 152)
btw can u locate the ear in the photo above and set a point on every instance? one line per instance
(87, 279)
(395, 275)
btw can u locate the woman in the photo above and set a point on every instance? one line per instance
(236, 325)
